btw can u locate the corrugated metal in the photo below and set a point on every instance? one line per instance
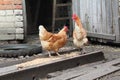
(99, 17)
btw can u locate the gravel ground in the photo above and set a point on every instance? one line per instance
(106, 48)
(110, 52)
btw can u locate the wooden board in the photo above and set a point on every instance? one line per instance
(90, 73)
(29, 68)
(99, 17)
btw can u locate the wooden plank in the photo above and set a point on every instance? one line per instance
(87, 16)
(115, 7)
(82, 11)
(61, 5)
(25, 19)
(62, 18)
(103, 9)
(74, 6)
(94, 16)
(99, 19)
(109, 17)
(71, 74)
(89, 73)
(101, 70)
(102, 36)
(98, 73)
(53, 18)
(90, 16)
(50, 66)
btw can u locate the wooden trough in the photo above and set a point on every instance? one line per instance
(34, 69)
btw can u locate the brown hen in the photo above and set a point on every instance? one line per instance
(53, 42)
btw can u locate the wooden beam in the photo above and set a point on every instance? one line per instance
(24, 19)
(53, 18)
(88, 73)
(101, 36)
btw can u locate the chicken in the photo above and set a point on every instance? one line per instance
(79, 33)
(52, 42)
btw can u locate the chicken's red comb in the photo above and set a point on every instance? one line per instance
(65, 26)
(74, 16)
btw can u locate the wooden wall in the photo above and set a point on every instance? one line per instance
(99, 17)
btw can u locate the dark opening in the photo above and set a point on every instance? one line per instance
(39, 12)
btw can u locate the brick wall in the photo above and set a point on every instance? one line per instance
(11, 20)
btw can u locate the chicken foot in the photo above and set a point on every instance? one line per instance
(49, 54)
(82, 51)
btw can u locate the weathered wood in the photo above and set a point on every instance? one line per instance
(97, 73)
(103, 36)
(25, 18)
(71, 73)
(115, 5)
(99, 17)
(53, 15)
(89, 73)
(62, 18)
(101, 70)
(65, 74)
(69, 4)
(57, 6)
(41, 70)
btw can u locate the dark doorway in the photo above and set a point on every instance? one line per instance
(39, 12)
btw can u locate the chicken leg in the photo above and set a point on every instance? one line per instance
(49, 54)
(57, 53)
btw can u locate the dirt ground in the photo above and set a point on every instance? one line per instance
(111, 51)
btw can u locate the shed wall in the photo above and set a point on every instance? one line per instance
(11, 20)
(99, 17)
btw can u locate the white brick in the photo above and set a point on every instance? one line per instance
(7, 30)
(2, 19)
(16, 12)
(18, 18)
(6, 25)
(7, 37)
(2, 12)
(19, 30)
(18, 24)
(19, 36)
(9, 12)
(10, 18)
